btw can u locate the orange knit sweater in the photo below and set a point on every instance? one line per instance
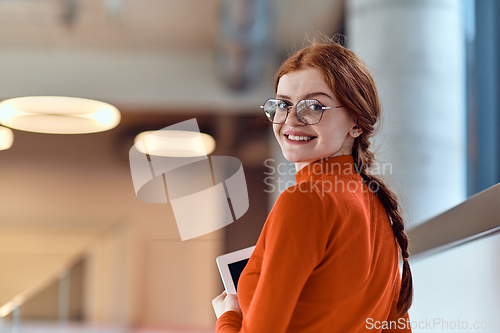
(326, 260)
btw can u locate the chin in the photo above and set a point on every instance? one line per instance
(291, 157)
(296, 159)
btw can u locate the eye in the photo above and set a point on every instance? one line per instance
(283, 105)
(316, 107)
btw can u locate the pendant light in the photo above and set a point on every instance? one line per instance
(58, 115)
(6, 138)
(175, 143)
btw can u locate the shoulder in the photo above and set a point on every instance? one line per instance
(303, 194)
(306, 188)
(298, 214)
(298, 202)
(322, 193)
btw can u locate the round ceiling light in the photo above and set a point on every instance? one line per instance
(174, 143)
(58, 115)
(6, 138)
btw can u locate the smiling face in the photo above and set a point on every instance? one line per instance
(332, 136)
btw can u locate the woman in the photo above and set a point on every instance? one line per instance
(327, 257)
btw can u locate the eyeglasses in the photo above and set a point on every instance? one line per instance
(309, 111)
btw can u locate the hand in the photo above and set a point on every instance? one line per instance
(224, 302)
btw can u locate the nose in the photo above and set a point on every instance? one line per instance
(293, 119)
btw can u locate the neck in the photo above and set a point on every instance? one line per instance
(300, 165)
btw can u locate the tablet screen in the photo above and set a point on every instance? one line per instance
(231, 265)
(235, 269)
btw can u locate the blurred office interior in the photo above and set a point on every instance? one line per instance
(79, 251)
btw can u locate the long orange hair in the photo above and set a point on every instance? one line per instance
(353, 85)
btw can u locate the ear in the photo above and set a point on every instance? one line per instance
(355, 131)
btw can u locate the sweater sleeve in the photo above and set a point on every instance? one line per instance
(229, 321)
(396, 323)
(294, 245)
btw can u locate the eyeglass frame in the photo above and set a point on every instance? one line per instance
(323, 108)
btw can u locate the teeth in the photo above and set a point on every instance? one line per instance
(299, 138)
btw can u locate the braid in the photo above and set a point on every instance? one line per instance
(363, 159)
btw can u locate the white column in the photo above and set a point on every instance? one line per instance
(416, 53)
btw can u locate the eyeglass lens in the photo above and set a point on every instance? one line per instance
(308, 111)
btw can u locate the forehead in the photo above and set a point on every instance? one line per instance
(302, 82)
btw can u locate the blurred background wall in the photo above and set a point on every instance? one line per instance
(77, 246)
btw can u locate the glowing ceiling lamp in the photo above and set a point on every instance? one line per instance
(6, 138)
(175, 143)
(58, 115)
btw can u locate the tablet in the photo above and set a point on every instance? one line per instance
(230, 267)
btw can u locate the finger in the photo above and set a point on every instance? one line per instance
(222, 295)
(232, 295)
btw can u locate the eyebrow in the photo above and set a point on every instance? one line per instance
(308, 96)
